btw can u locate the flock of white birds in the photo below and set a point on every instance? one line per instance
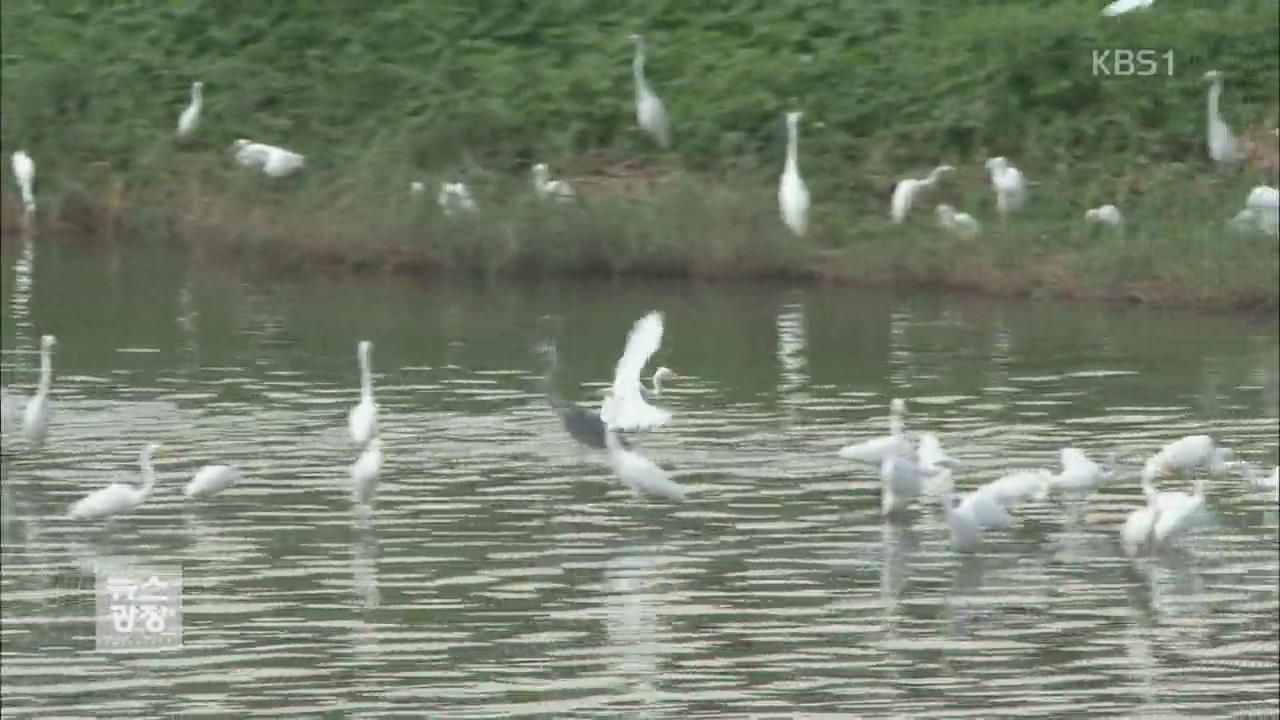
(911, 465)
(1260, 213)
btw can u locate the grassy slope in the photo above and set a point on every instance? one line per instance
(378, 93)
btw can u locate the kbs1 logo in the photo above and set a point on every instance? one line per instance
(1123, 62)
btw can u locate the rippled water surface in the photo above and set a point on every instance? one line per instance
(506, 572)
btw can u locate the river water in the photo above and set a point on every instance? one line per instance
(506, 572)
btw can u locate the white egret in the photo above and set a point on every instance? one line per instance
(455, 196)
(117, 497)
(1263, 207)
(35, 419)
(1010, 186)
(190, 117)
(274, 161)
(416, 188)
(1136, 532)
(625, 408)
(959, 223)
(211, 479)
(905, 192)
(967, 518)
(651, 115)
(362, 420)
(662, 373)
(1177, 512)
(1185, 455)
(638, 472)
(929, 453)
(365, 471)
(1120, 7)
(1016, 488)
(901, 481)
(547, 188)
(1105, 214)
(1080, 474)
(874, 451)
(7, 408)
(24, 173)
(793, 196)
(1223, 146)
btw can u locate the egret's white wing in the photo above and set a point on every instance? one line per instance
(642, 342)
(1120, 7)
(1073, 458)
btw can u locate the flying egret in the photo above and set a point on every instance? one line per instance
(547, 188)
(24, 173)
(1080, 474)
(1010, 187)
(905, 192)
(210, 480)
(651, 115)
(455, 196)
(1120, 7)
(874, 451)
(962, 224)
(35, 419)
(365, 471)
(793, 196)
(273, 161)
(1105, 214)
(625, 408)
(190, 117)
(117, 497)
(638, 472)
(362, 420)
(1223, 146)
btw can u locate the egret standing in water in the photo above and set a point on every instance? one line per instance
(651, 115)
(365, 471)
(625, 408)
(793, 196)
(190, 117)
(905, 192)
(211, 479)
(1186, 455)
(1010, 187)
(362, 420)
(1223, 146)
(24, 173)
(117, 497)
(1080, 475)
(35, 420)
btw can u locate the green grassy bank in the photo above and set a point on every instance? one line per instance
(377, 94)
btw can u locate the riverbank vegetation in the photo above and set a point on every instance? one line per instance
(379, 95)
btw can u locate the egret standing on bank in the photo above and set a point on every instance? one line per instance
(651, 115)
(793, 196)
(1223, 146)
(24, 173)
(905, 192)
(547, 188)
(190, 117)
(1010, 187)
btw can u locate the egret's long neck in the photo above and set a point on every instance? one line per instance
(366, 382)
(148, 475)
(1215, 90)
(637, 69)
(46, 371)
(895, 423)
(793, 147)
(1198, 486)
(197, 95)
(657, 384)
